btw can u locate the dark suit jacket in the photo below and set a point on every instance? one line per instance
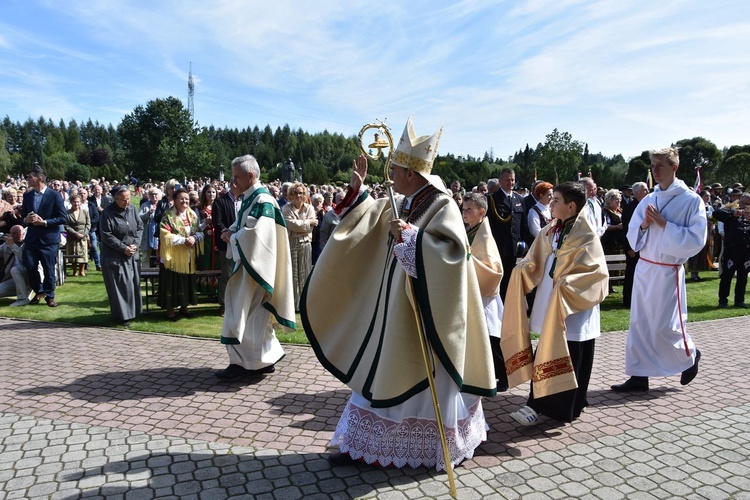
(223, 216)
(528, 202)
(627, 214)
(507, 234)
(51, 209)
(93, 215)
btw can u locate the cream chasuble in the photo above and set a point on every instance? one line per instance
(358, 314)
(580, 281)
(486, 258)
(260, 251)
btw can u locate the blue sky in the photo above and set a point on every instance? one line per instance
(622, 76)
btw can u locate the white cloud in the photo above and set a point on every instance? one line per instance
(498, 75)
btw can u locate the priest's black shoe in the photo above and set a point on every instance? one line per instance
(633, 384)
(338, 459)
(689, 374)
(232, 372)
(261, 371)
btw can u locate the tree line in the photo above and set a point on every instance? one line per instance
(160, 141)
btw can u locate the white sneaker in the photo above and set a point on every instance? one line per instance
(22, 302)
(525, 416)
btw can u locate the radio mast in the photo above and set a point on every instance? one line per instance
(191, 93)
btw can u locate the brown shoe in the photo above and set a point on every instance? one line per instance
(50, 302)
(37, 297)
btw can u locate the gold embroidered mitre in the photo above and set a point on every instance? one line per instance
(416, 153)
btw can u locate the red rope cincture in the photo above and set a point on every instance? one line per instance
(676, 268)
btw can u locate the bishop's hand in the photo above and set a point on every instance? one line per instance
(359, 172)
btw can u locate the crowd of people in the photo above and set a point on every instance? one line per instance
(465, 276)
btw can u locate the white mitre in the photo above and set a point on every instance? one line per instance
(418, 154)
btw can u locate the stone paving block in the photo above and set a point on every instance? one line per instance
(645, 443)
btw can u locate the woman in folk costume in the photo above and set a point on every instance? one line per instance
(489, 269)
(209, 261)
(179, 247)
(567, 266)
(358, 315)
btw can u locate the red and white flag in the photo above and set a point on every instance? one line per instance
(698, 186)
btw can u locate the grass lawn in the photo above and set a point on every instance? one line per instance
(83, 301)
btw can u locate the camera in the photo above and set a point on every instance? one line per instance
(521, 249)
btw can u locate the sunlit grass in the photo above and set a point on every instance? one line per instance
(83, 301)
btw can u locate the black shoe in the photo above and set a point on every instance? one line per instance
(723, 305)
(174, 317)
(261, 371)
(232, 372)
(689, 374)
(186, 314)
(741, 305)
(339, 459)
(126, 324)
(633, 384)
(502, 388)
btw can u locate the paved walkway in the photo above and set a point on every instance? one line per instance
(88, 412)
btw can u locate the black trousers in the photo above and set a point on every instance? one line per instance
(508, 264)
(499, 362)
(627, 288)
(33, 254)
(566, 406)
(735, 261)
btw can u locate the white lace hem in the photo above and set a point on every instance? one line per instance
(406, 252)
(414, 441)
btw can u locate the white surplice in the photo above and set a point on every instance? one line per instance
(655, 345)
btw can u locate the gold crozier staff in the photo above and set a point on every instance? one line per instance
(396, 227)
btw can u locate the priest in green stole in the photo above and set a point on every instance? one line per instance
(358, 315)
(259, 293)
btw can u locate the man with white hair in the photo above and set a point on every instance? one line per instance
(15, 279)
(667, 228)
(259, 293)
(640, 190)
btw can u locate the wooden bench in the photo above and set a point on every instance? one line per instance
(151, 275)
(616, 263)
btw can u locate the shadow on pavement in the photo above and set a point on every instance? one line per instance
(604, 397)
(170, 382)
(326, 408)
(221, 475)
